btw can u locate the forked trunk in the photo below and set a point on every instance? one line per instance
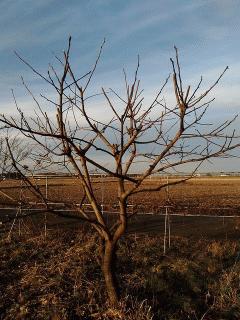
(108, 268)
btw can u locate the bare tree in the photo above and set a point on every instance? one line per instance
(131, 137)
(20, 152)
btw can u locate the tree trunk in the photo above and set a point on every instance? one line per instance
(108, 268)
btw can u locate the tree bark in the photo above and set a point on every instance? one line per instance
(108, 268)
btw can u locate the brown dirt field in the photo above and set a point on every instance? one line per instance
(198, 195)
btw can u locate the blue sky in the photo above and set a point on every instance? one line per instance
(205, 31)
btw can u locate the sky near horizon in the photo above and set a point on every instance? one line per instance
(206, 33)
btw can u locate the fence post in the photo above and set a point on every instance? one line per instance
(45, 214)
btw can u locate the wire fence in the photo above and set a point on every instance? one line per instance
(15, 215)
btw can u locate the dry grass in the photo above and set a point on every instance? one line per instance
(59, 278)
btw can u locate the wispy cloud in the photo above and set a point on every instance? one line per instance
(206, 32)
